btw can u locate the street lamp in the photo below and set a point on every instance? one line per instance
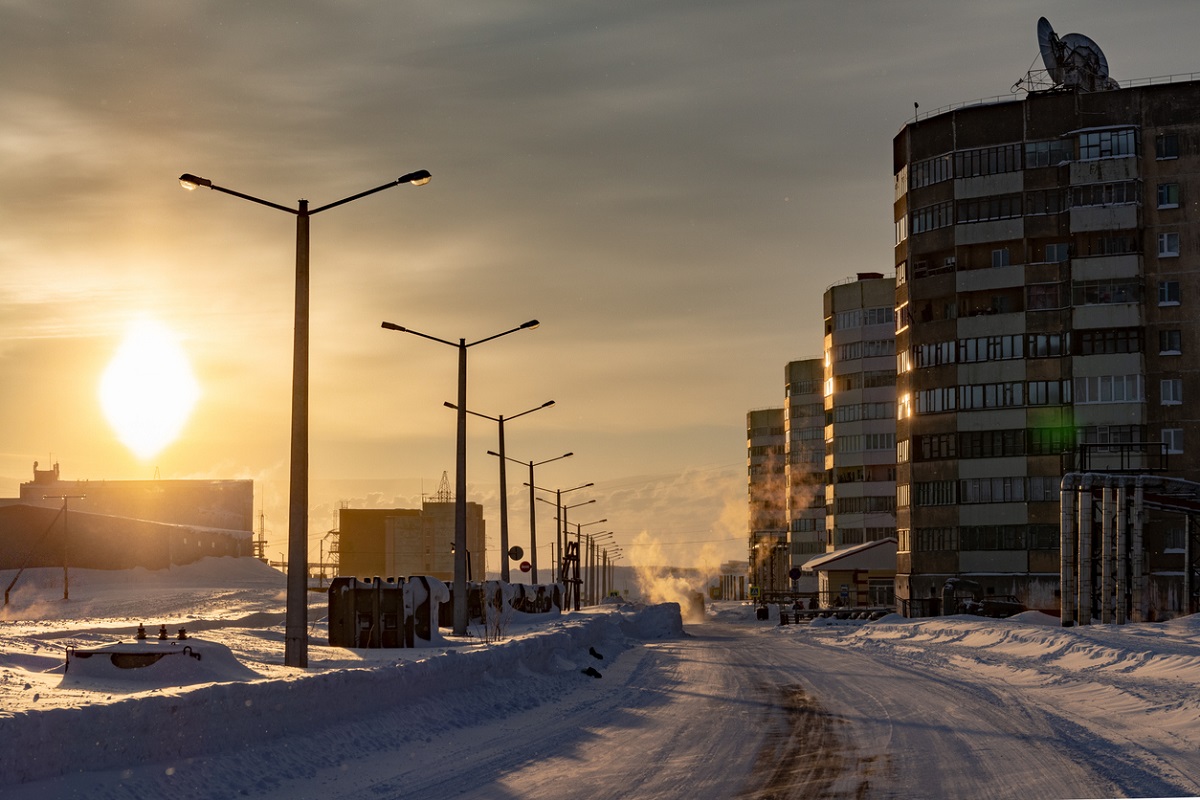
(460, 499)
(533, 579)
(586, 556)
(560, 517)
(504, 571)
(295, 643)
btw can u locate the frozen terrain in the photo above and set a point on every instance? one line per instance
(724, 707)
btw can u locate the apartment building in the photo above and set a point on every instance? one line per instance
(1047, 294)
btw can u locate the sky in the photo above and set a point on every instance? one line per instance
(667, 187)
(990, 708)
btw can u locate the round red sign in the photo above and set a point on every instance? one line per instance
(526, 566)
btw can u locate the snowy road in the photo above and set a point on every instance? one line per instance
(728, 708)
(736, 711)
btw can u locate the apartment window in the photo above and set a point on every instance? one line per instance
(1104, 194)
(931, 401)
(991, 444)
(1170, 342)
(1107, 144)
(1110, 340)
(1048, 153)
(992, 395)
(1168, 195)
(1048, 345)
(935, 493)
(1172, 391)
(987, 161)
(1102, 292)
(1173, 439)
(1044, 296)
(1101, 435)
(1045, 201)
(1000, 257)
(1057, 253)
(930, 171)
(927, 539)
(992, 490)
(989, 348)
(1166, 146)
(902, 451)
(932, 217)
(1168, 245)
(1050, 441)
(983, 209)
(1048, 393)
(1168, 293)
(1110, 389)
(936, 446)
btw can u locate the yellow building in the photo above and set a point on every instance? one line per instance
(399, 542)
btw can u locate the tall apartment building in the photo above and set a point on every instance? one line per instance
(766, 488)
(804, 424)
(1048, 291)
(860, 410)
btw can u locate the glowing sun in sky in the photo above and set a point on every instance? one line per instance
(148, 390)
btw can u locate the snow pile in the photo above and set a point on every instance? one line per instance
(91, 720)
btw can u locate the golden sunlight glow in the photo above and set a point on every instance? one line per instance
(148, 390)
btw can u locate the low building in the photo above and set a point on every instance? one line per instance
(400, 542)
(124, 524)
(862, 575)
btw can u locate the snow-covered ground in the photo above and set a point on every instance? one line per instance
(730, 706)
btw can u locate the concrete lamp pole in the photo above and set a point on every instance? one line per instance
(560, 517)
(504, 559)
(533, 563)
(460, 490)
(295, 643)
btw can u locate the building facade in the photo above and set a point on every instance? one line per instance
(1048, 275)
(804, 428)
(766, 489)
(860, 411)
(402, 542)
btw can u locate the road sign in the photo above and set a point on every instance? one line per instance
(526, 566)
(515, 553)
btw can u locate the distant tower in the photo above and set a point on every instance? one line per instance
(444, 495)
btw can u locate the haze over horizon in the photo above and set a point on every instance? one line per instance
(667, 188)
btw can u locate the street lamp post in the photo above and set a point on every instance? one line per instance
(560, 517)
(594, 563)
(295, 643)
(533, 563)
(504, 570)
(460, 499)
(588, 554)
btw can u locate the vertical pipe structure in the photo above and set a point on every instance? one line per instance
(1066, 548)
(1136, 578)
(1122, 556)
(1084, 601)
(1107, 517)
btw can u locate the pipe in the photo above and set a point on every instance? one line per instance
(1066, 549)
(1084, 595)
(1137, 578)
(1107, 518)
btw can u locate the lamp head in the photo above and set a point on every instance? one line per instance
(391, 326)
(189, 181)
(533, 323)
(418, 178)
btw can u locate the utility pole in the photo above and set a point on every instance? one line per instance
(65, 498)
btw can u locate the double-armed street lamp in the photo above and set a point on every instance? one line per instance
(295, 652)
(460, 491)
(560, 518)
(504, 559)
(533, 564)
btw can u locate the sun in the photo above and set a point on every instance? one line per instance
(148, 390)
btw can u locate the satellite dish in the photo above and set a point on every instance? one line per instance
(1073, 60)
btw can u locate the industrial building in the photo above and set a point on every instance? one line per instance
(124, 524)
